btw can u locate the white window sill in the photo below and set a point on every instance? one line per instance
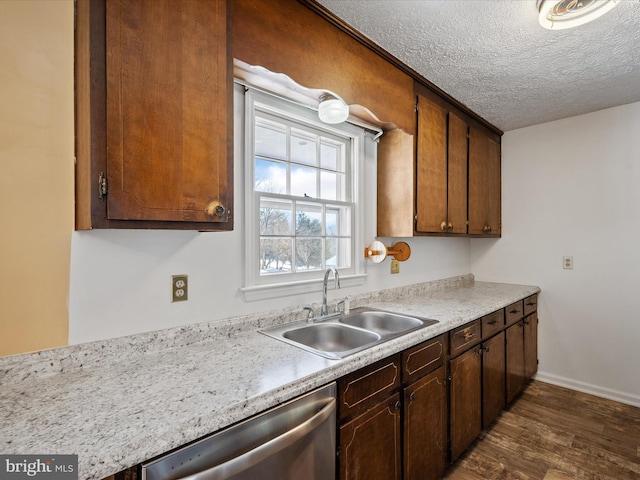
(275, 290)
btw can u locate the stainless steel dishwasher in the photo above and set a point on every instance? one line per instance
(293, 441)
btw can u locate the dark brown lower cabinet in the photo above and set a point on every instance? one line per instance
(393, 417)
(530, 345)
(493, 378)
(515, 360)
(370, 444)
(425, 427)
(406, 416)
(465, 400)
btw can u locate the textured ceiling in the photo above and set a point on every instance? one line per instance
(493, 56)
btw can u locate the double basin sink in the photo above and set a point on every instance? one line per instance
(337, 336)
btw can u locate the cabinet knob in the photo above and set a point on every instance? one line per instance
(215, 208)
(397, 405)
(412, 396)
(486, 349)
(449, 226)
(487, 229)
(443, 226)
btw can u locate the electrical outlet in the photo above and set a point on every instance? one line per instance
(179, 288)
(567, 263)
(395, 266)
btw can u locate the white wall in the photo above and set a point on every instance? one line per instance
(120, 280)
(572, 188)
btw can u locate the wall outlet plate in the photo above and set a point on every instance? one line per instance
(179, 288)
(567, 263)
(395, 266)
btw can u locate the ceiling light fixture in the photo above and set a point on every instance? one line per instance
(561, 14)
(332, 109)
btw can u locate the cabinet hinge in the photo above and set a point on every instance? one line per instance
(102, 186)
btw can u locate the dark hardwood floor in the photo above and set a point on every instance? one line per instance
(553, 433)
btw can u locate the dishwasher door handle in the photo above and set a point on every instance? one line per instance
(248, 459)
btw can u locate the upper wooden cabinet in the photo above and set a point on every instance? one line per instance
(154, 76)
(484, 185)
(441, 170)
(450, 182)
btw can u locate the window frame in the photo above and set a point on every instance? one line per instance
(259, 287)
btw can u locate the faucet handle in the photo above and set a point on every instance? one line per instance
(345, 306)
(310, 315)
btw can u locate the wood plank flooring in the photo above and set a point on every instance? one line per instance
(553, 433)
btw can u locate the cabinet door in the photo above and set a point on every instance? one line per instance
(465, 401)
(493, 378)
(515, 360)
(168, 104)
(431, 167)
(425, 428)
(484, 184)
(370, 444)
(457, 176)
(530, 345)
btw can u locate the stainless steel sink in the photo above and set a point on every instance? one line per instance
(384, 323)
(337, 336)
(331, 337)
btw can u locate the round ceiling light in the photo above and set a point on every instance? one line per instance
(332, 109)
(561, 14)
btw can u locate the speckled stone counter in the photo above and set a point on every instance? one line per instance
(116, 403)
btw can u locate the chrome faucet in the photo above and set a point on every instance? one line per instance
(324, 310)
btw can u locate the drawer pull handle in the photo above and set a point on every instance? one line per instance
(493, 322)
(468, 336)
(514, 311)
(531, 304)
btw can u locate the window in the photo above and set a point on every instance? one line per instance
(302, 181)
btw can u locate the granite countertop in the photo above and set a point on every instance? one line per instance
(116, 403)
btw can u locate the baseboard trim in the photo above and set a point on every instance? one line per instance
(616, 395)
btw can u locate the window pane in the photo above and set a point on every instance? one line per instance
(275, 216)
(303, 182)
(332, 186)
(308, 219)
(271, 141)
(270, 176)
(303, 149)
(329, 155)
(338, 220)
(275, 255)
(338, 252)
(309, 254)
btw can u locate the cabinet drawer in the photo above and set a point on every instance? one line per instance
(465, 337)
(530, 304)
(492, 323)
(423, 358)
(367, 386)
(514, 312)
